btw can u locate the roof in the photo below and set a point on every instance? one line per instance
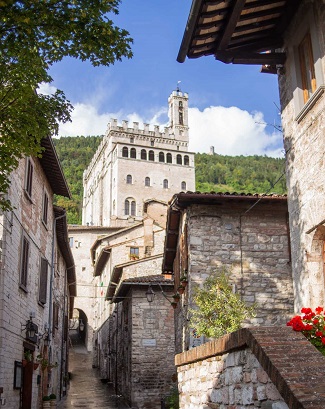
(237, 31)
(182, 200)
(156, 280)
(117, 273)
(51, 165)
(64, 246)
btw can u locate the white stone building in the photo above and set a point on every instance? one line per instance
(133, 165)
(37, 283)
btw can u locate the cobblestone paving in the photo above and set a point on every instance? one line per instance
(86, 389)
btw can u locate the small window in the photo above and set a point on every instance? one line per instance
(183, 186)
(152, 143)
(306, 59)
(29, 177)
(169, 158)
(24, 262)
(133, 153)
(129, 179)
(181, 118)
(129, 207)
(42, 293)
(186, 160)
(55, 317)
(151, 155)
(126, 207)
(179, 159)
(143, 154)
(134, 253)
(147, 181)
(165, 184)
(180, 105)
(45, 208)
(161, 157)
(132, 141)
(125, 152)
(71, 242)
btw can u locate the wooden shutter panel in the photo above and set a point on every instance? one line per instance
(43, 281)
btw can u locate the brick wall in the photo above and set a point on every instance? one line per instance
(265, 367)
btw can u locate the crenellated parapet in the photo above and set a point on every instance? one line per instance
(135, 130)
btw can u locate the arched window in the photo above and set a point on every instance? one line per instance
(147, 181)
(165, 184)
(179, 159)
(161, 157)
(183, 185)
(180, 105)
(129, 179)
(125, 152)
(186, 160)
(143, 154)
(126, 207)
(169, 158)
(129, 207)
(151, 155)
(133, 208)
(133, 153)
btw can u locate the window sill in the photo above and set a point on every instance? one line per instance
(28, 196)
(23, 288)
(310, 103)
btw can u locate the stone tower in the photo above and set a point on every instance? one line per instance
(132, 166)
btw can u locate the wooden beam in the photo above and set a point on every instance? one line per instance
(231, 24)
(251, 58)
(263, 13)
(262, 3)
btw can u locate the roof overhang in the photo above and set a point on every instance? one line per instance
(238, 31)
(51, 165)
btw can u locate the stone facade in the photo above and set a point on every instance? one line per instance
(247, 238)
(133, 165)
(304, 135)
(37, 282)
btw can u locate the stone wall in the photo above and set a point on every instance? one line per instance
(304, 136)
(252, 368)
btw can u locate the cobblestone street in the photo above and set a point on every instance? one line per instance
(86, 389)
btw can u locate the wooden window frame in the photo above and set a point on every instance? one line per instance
(129, 179)
(307, 66)
(147, 181)
(125, 152)
(45, 208)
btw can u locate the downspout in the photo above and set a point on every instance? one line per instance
(63, 333)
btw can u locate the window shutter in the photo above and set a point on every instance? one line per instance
(24, 263)
(43, 281)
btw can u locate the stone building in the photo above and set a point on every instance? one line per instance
(37, 283)
(133, 165)
(246, 234)
(287, 38)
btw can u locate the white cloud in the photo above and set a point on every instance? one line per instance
(46, 89)
(231, 131)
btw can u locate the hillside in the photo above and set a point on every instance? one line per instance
(218, 173)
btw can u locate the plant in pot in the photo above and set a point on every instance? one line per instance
(53, 400)
(176, 297)
(184, 279)
(46, 401)
(28, 357)
(181, 289)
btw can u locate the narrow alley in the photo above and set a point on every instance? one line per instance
(86, 389)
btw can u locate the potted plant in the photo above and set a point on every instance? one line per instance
(181, 289)
(174, 304)
(46, 402)
(53, 400)
(184, 279)
(28, 357)
(176, 297)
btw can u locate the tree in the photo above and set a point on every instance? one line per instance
(33, 36)
(219, 310)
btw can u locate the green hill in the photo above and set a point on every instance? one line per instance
(214, 173)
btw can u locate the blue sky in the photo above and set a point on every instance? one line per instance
(227, 103)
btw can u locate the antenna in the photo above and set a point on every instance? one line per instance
(178, 88)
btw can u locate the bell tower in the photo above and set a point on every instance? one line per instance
(178, 115)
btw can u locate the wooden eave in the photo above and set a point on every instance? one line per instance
(237, 31)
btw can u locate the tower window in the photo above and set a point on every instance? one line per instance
(143, 154)
(181, 118)
(307, 67)
(125, 152)
(169, 158)
(165, 184)
(186, 160)
(147, 181)
(151, 155)
(161, 157)
(183, 185)
(129, 207)
(180, 105)
(129, 179)
(179, 159)
(152, 142)
(131, 139)
(133, 153)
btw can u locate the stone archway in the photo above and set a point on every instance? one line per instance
(316, 267)
(78, 328)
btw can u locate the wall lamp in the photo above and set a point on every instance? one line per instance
(45, 336)
(150, 294)
(31, 328)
